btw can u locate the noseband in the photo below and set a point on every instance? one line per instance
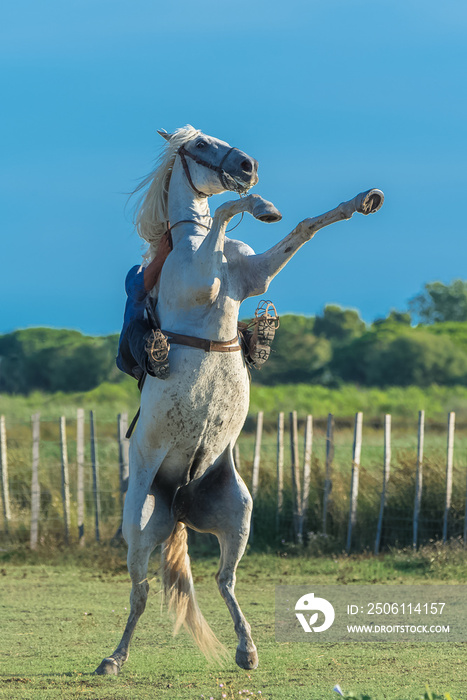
(183, 153)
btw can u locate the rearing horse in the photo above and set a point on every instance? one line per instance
(182, 472)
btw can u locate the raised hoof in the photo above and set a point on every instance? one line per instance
(266, 211)
(247, 659)
(108, 667)
(370, 202)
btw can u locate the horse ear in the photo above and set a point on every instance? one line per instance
(164, 134)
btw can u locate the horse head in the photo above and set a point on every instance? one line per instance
(213, 166)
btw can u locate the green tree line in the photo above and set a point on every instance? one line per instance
(329, 349)
(48, 359)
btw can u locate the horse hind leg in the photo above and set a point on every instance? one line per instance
(233, 540)
(221, 504)
(180, 595)
(137, 566)
(145, 525)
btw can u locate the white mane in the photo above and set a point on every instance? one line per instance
(151, 214)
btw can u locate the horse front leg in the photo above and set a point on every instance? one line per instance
(209, 257)
(261, 269)
(255, 205)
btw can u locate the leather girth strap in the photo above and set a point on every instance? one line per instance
(203, 343)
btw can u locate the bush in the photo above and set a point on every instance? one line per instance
(385, 356)
(53, 360)
(297, 354)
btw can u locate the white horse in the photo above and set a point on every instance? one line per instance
(182, 471)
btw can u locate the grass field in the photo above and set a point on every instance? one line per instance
(402, 402)
(62, 612)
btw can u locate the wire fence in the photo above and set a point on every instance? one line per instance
(328, 484)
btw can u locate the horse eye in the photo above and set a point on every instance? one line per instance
(201, 144)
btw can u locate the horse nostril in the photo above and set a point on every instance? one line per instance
(247, 166)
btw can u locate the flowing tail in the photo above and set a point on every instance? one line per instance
(180, 594)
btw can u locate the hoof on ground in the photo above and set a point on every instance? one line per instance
(108, 667)
(247, 659)
(370, 202)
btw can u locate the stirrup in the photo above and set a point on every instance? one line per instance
(157, 349)
(266, 322)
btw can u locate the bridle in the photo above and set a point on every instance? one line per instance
(223, 175)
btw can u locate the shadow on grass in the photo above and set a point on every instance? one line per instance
(411, 565)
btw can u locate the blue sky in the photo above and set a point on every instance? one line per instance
(331, 96)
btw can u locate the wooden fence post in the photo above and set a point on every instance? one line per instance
(65, 479)
(308, 446)
(256, 463)
(449, 463)
(80, 472)
(357, 448)
(123, 455)
(418, 477)
(280, 468)
(328, 474)
(297, 499)
(35, 486)
(236, 456)
(4, 476)
(465, 521)
(95, 477)
(386, 468)
(257, 457)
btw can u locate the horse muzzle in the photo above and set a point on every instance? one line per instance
(240, 171)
